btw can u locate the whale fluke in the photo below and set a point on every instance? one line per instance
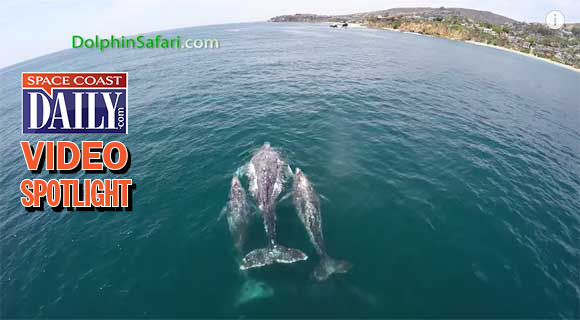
(328, 266)
(273, 254)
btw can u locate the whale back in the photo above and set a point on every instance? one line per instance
(269, 180)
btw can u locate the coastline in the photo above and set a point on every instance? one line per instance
(489, 46)
(523, 54)
(350, 25)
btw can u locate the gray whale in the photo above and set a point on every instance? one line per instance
(266, 175)
(307, 205)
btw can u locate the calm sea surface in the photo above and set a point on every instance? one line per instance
(451, 173)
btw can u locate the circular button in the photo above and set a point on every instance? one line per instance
(555, 19)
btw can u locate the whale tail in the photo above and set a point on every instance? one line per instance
(328, 266)
(273, 254)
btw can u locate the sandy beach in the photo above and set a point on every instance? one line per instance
(523, 54)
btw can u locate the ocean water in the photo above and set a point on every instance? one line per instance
(450, 173)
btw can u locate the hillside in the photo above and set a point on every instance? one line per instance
(475, 15)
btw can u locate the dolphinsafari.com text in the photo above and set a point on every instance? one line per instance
(143, 42)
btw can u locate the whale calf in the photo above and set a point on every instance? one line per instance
(239, 218)
(266, 175)
(238, 213)
(307, 205)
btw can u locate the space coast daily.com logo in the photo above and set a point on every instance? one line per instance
(71, 102)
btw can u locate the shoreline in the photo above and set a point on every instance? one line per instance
(522, 53)
(489, 46)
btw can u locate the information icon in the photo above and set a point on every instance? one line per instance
(555, 19)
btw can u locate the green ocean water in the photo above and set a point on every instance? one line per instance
(451, 173)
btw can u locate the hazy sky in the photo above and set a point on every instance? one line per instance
(31, 28)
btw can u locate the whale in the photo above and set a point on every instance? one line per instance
(266, 173)
(307, 204)
(239, 217)
(238, 214)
